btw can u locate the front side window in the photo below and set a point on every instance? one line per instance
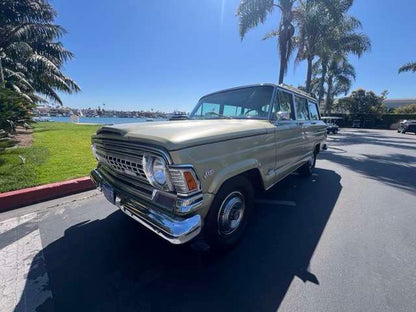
(302, 112)
(313, 111)
(244, 103)
(283, 104)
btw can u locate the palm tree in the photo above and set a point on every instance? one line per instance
(408, 67)
(309, 18)
(253, 12)
(31, 58)
(340, 76)
(325, 28)
(341, 40)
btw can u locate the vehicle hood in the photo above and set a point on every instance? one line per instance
(174, 135)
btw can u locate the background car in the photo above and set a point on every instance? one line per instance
(407, 126)
(331, 126)
(356, 123)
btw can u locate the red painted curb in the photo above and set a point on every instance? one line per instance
(32, 195)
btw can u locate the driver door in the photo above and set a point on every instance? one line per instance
(289, 135)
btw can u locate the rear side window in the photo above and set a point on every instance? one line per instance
(302, 111)
(313, 111)
(284, 103)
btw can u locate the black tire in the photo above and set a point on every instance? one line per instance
(216, 233)
(403, 132)
(307, 168)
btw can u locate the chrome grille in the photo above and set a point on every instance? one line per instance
(124, 159)
(131, 167)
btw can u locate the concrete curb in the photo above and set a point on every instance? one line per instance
(33, 195)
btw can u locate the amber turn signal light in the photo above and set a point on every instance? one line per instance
(190, 181)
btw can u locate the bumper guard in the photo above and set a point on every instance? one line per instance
(176, 230)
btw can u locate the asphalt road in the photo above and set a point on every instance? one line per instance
(342, 240)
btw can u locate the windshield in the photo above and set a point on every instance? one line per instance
(249, 102)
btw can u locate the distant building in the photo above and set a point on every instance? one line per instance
(394, 103)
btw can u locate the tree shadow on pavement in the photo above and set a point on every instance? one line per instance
(344, 139)
(397, 170)
(114, 264)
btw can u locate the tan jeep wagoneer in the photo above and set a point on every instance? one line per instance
(195, 177)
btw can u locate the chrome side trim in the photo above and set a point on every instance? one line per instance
(299, 164)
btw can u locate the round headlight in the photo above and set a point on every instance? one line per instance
(159, 171)
(156, 172)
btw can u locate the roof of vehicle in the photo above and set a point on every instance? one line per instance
(282, 86)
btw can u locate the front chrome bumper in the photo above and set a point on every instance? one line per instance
(176, 230)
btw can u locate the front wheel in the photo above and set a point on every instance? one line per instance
(229, 213)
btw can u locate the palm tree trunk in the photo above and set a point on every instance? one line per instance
(309, 74)
(322, 81)
(281, 70)
(328, 103)
(1, 73)
(282, 62)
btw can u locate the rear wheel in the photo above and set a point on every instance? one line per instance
(307, 168)
(229, 213)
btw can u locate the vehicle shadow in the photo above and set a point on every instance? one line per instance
(114, 264)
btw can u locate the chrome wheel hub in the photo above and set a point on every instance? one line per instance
(231, 213)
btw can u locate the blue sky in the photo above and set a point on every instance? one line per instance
(143, 54)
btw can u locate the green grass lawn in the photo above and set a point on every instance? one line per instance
(60, 151)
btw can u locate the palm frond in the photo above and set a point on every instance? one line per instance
(251, 13)
(19, 77)
(271, 34)
(408, 67)
(42, 63)
(27, 10)
(30, 31)
(72, 84)
(50, 93)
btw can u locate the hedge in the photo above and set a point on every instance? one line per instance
(385, 121)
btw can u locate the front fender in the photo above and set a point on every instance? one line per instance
(230, 171)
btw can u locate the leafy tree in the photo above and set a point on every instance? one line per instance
(408, 67)
(13, 107)
(363, 102)
(406, 109)
(253, 12)
(31, 56)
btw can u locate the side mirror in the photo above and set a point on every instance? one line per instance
(282, 115)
